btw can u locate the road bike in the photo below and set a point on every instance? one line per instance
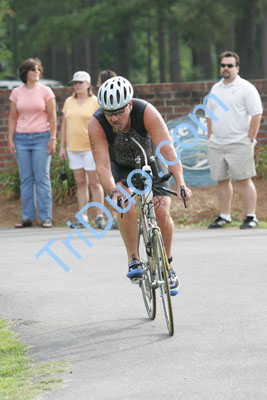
(151, 249)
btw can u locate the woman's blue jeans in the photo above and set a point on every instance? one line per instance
(34, 169)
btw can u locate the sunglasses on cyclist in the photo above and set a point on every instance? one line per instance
(227, 65)
(116, 112)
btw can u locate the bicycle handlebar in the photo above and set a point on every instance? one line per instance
(183, 194)
(156, 179)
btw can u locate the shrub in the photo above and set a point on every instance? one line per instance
(261, 161)
(10, 181)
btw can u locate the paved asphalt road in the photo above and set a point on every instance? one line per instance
(92, 317)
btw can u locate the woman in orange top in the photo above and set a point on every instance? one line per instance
(77, 111)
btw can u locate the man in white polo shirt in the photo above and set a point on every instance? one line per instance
(232, 139)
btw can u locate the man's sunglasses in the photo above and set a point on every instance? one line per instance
(116, 112)
(227, 65)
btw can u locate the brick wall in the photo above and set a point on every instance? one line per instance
(171, 99)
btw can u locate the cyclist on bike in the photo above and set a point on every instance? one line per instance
(119, 118)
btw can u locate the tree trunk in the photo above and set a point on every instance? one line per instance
(122, 57)
(85, 57)
(93, 59)
(204, 59)
(149, 57)
(47, 62)
(59, 65)
(80, 56)
(202, 67)
(175, 67)
(246, 46)
(14, 46)
(263, 42)
(161, 44)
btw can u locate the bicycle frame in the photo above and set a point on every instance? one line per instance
(156, 264)
(148, 223)
(151, 249)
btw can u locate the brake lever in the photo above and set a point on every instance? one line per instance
(119, 203)
(183, 194)
(164, 178)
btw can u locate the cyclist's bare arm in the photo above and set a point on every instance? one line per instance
(99, 147)
(158, 132)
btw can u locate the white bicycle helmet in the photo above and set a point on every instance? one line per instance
(115, 93)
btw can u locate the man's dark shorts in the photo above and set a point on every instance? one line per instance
(120, 172)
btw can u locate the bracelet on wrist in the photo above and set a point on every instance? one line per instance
(53, 137)
(110, 195)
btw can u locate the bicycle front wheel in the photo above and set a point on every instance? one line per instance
(149, 294)
(161, 265)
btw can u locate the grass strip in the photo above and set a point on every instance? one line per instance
(20, 378)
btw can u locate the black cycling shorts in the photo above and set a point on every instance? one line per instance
(120, 172)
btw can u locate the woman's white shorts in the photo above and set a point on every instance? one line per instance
(81, 159)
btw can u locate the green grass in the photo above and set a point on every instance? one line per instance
(205, 223)
(20, 378)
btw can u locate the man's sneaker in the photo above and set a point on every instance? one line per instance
(174, 283)
(100, 222)
(135, 269)
(114, 224)
(218, 223)
(77, 224)
(248, 223)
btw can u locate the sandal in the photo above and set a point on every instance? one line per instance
(24, 224)
(47, 223)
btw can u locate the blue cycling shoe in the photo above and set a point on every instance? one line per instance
(173, 280)
(174, 283)
(135, 269)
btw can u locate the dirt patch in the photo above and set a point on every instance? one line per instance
(202, 208)
(204, 205)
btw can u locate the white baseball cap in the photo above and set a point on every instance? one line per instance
(81, 76)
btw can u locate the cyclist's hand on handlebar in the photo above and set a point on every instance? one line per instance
(184, 194)
(120, 200)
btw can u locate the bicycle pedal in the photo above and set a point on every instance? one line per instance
(154, 285)
(136, 280)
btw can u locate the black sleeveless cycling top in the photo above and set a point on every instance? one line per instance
(122, 149)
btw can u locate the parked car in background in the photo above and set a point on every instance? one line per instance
(12, 83)
(51, 83)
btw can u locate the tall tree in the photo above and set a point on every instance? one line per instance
(246, 36)
(201, 23)
(122, 46)
(263, 42)
(174, 45)
(4, 53)
(145, 39)
(161, 41)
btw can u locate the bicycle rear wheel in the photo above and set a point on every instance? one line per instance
(149, 294)
(161, 265)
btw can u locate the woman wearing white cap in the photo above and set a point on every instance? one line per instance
(77, 111)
